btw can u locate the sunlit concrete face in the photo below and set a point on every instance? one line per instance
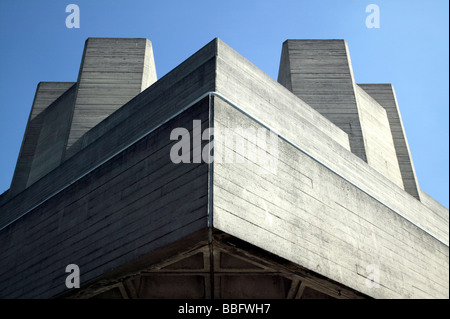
(320, 73)
(323, 222)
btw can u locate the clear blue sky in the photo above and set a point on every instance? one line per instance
(410, 50)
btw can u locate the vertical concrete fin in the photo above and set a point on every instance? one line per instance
(384, 94)
(378, 140)
(46, 94)
(284, 75)
(53, 136)
(319, 72)
(113, 71)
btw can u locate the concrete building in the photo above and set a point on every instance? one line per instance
(335, 212)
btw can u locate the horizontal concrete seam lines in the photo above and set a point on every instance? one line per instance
(110, 157)
(321, 163)
(213, 93)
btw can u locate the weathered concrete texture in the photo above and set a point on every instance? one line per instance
(260, 96)
(378, 141)
(167, 96)
(306, 213)
(319, 72)
(113, 71)
(133, 204)
(437, 209)
(39, 152)
(211, 265)
(120, 197)
(243, 83)
(384, 94)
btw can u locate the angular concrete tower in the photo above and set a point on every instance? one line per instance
(320, 73)
(112, 72)
(45, 137)
(333, 210)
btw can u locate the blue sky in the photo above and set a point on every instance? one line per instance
(410, 50)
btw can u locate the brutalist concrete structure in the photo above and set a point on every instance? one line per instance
(340, 216)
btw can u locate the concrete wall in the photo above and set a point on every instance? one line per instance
(243, 83)
(46, 94)
(264, 99)
(323, 208)
(385, 95)
(439, 211)
(320, 73)
(112, 72)
(166, 97)
(308, 214)
(135, 203)
(378, 140)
